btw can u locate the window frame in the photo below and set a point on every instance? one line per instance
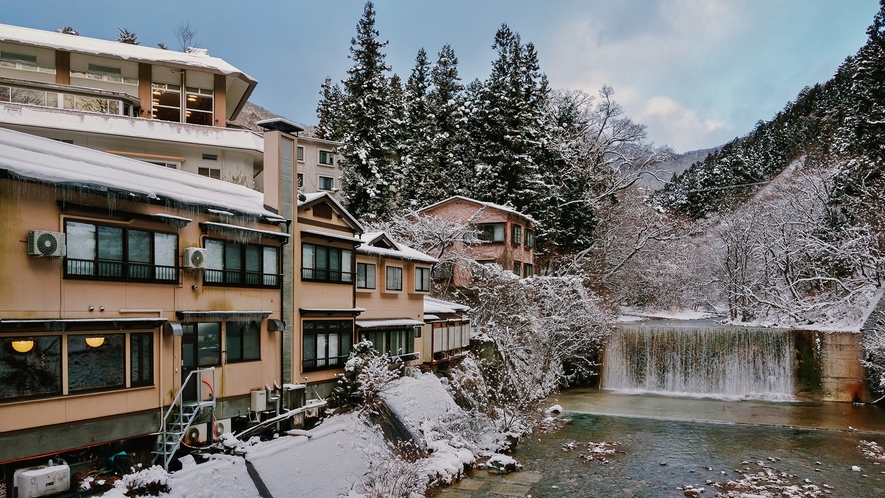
(528, 270)
(329, 154)
(517, 268)
(325, 179)
(396, 277)
(362, 273)
(251, 326)
(529, 238)
(328, 273)
(407, 336)
(299, 154)
(422, 276)
(242, 276)
(344, 332)
(487, 232)
(516, 235)
(126, 265)
(158, 90)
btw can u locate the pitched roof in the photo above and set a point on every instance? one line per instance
(398, 251)
(308, 200)
(42, 160)
(508, 209)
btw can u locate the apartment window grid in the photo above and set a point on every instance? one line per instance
(422, 279)
(242, 265)
(326, 344)
(365, 276)
(394, 280)
(106, 252)
(326, 264)
(326, 158)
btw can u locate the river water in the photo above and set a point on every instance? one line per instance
(667, 443)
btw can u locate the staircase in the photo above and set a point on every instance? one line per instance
(183, 413)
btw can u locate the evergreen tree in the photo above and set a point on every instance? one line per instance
(127, 37)
(368, 154)
(330, 111)
(418, 132)
(448, 145)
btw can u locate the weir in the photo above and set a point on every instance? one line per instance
(706, 359)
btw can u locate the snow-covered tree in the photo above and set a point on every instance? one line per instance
(418, 131)
(68, 31)
(127, 37)
(330, 111)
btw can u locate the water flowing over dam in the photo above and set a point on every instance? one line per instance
(706, 360)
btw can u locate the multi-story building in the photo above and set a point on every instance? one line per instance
(318, 166)
(507, 236)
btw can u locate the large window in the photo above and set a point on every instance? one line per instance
(242, 341)
(327, 183)
(96, 362)
(326, 158)
(31, 366)
(529, 239)
(398, 342)
(166, 102)
(114, 253)
(394, 281)
(493, 232)
(202, 341)
(528, 270)
(365, 276)
(326, 264)
(327, 344)
(422, 279)
(517, 267)
(246, 265)
(516, 235)
(199, 106)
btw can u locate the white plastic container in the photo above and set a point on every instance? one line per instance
(43, 481)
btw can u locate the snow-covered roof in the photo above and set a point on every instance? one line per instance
(48, 161)
(107, 48)
(304, 200)
(390, 322)
(492, 205)
(399, 251)
(439, 306)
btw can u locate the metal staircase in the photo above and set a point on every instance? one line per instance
(188, 406)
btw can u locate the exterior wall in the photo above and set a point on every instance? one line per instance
(35, 288)
(311, 169)
(504, 253)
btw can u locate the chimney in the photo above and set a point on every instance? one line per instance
(280, 144)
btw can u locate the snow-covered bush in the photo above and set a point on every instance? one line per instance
(366, 375)
(874, 349)
(396, 473)
(151, 481)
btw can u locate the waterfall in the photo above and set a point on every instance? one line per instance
(700, 361)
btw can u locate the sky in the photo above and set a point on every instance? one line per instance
(697, 73)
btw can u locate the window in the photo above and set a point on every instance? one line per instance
(243, 341)
(300, 155)
(529, 239)
(199, 106)
(141, 359)
(327, 183)
(30, 366)
(112, 253)
(516, 235)
(528, 270)
(13, 57)
(166, 100)
(244, 265)
(108, 73)
(394, 342)
(326, 158)
(394, 278)
(206, 338)
(517, 268)
(326, 264)
(327, 344)
(300, 180)
(493, 232)
(422, 279)
(210, 157)
(365, 276)
(210, 172)
(96, 362)
(443, 270)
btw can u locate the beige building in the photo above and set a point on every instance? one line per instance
(318, 166)
(507, 236)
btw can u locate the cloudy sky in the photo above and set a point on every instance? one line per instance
(697, 73)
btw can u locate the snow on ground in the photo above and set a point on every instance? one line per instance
(222, 476)
(329, 464)
(631, 314)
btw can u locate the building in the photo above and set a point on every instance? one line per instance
(318, 166)
(392, 281)
(446, 331)
(117, 280)
(507, 236)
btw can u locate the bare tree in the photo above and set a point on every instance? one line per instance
(186, 35)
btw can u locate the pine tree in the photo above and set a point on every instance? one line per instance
(368, 158)
(418, 132)
(330, 111)
(67, 30)
(127, 37)
(448, 145)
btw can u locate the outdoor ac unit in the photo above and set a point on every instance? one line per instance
(222, 426)
(43, 481)
(196, 258)
(46, 244)
(258, 400)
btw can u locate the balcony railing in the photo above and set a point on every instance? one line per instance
(324, 363)
(56, 98)
(88, 269)
(238, 278)
(323, 275)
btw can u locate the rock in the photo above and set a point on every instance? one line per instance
(855, 468)
(663, 464)
(692, 493)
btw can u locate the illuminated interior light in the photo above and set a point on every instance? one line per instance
(94, 342)
(23, 346)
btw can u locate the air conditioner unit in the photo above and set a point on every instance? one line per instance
(258, 400)
(43, 481)
(222, 426)
(196, 258)
(46, 244)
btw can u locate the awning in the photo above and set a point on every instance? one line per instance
(331, 311)
(62, 324)
(329, 237)
(394, 322)
(428, 318)
(243, 232)
(245, 315)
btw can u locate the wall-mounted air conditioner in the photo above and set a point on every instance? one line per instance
(46, 244)
(258, 401)
(196, 258)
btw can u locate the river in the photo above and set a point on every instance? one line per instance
(667, 443)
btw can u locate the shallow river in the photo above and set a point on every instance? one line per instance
(799, 440)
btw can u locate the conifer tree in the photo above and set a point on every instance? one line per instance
(330, 111)
(127, 37)
(448, 145)
(418, 132)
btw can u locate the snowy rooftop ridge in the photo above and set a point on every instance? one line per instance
(508, 209)
(137, 53)
(49, 161)
(400, 251)
(433, 305)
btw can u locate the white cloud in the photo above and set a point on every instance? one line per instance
(670, 123)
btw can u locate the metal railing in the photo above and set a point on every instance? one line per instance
(183, 412)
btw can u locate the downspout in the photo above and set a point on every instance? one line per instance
(282, 303)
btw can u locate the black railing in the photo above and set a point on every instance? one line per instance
(241, 278)
(324, 363)
(88, 269)
(322, 275)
